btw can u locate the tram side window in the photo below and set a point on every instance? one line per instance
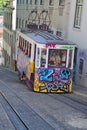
(57, 58)
(38, 57)
(63, 57)
(70, 59)
(20, 42)
(29, 49)
(43, 57)
(26, 48)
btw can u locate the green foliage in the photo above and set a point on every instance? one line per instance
(3, 3)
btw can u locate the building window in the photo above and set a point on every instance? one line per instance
(36, 2)
(26, 1)
(51, 2)
(61, 2)
(17, 1)
(22, 23)
(81, 63)
(31, 2)
(17, 23)
(78, 13)
(59, 33)
(26, 23)
(41, 2)
(20, 2)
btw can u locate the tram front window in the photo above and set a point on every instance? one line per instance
(43, 57)
(57, 58)
(70, 58)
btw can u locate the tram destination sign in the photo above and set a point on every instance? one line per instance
(67, 47)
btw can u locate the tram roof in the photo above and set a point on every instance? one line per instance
(43, 37)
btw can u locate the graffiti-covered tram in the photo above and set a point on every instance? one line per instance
(44, 61)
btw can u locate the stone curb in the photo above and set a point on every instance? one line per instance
(80, 94)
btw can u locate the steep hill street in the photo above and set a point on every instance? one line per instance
(22, 109)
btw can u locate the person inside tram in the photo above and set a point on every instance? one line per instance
(63, 55)
(63, 58)
(55, 58)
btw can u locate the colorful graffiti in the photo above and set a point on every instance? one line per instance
(54, 79)
(50, 45)
(56, 86)
(46, 75)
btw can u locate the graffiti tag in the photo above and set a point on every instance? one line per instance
(46, 74)
(57, 86)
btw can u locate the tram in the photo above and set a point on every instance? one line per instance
(44, 61)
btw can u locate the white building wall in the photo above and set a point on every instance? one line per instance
(58, 14)
(60, 17)
(14, 15)
(79, 37)
(9, 36)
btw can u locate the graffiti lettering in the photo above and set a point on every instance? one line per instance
(55, 79)
(46, 75)
(50, 45)
(57, 86)
(65, 74)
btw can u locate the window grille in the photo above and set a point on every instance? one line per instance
(78, 13)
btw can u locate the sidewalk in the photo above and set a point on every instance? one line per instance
(80, 90)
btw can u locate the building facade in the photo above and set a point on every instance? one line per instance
(1, 31)
(9, 33)
(77, 33)
(65, 18)
(62, 19)
(1, 41)
(53, 13)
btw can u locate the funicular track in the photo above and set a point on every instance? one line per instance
(12, 114)
(21, 115)
(72, 100)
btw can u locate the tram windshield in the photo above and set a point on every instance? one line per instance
(43, 57)
(57, 58)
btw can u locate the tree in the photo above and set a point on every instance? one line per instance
(3, 4)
